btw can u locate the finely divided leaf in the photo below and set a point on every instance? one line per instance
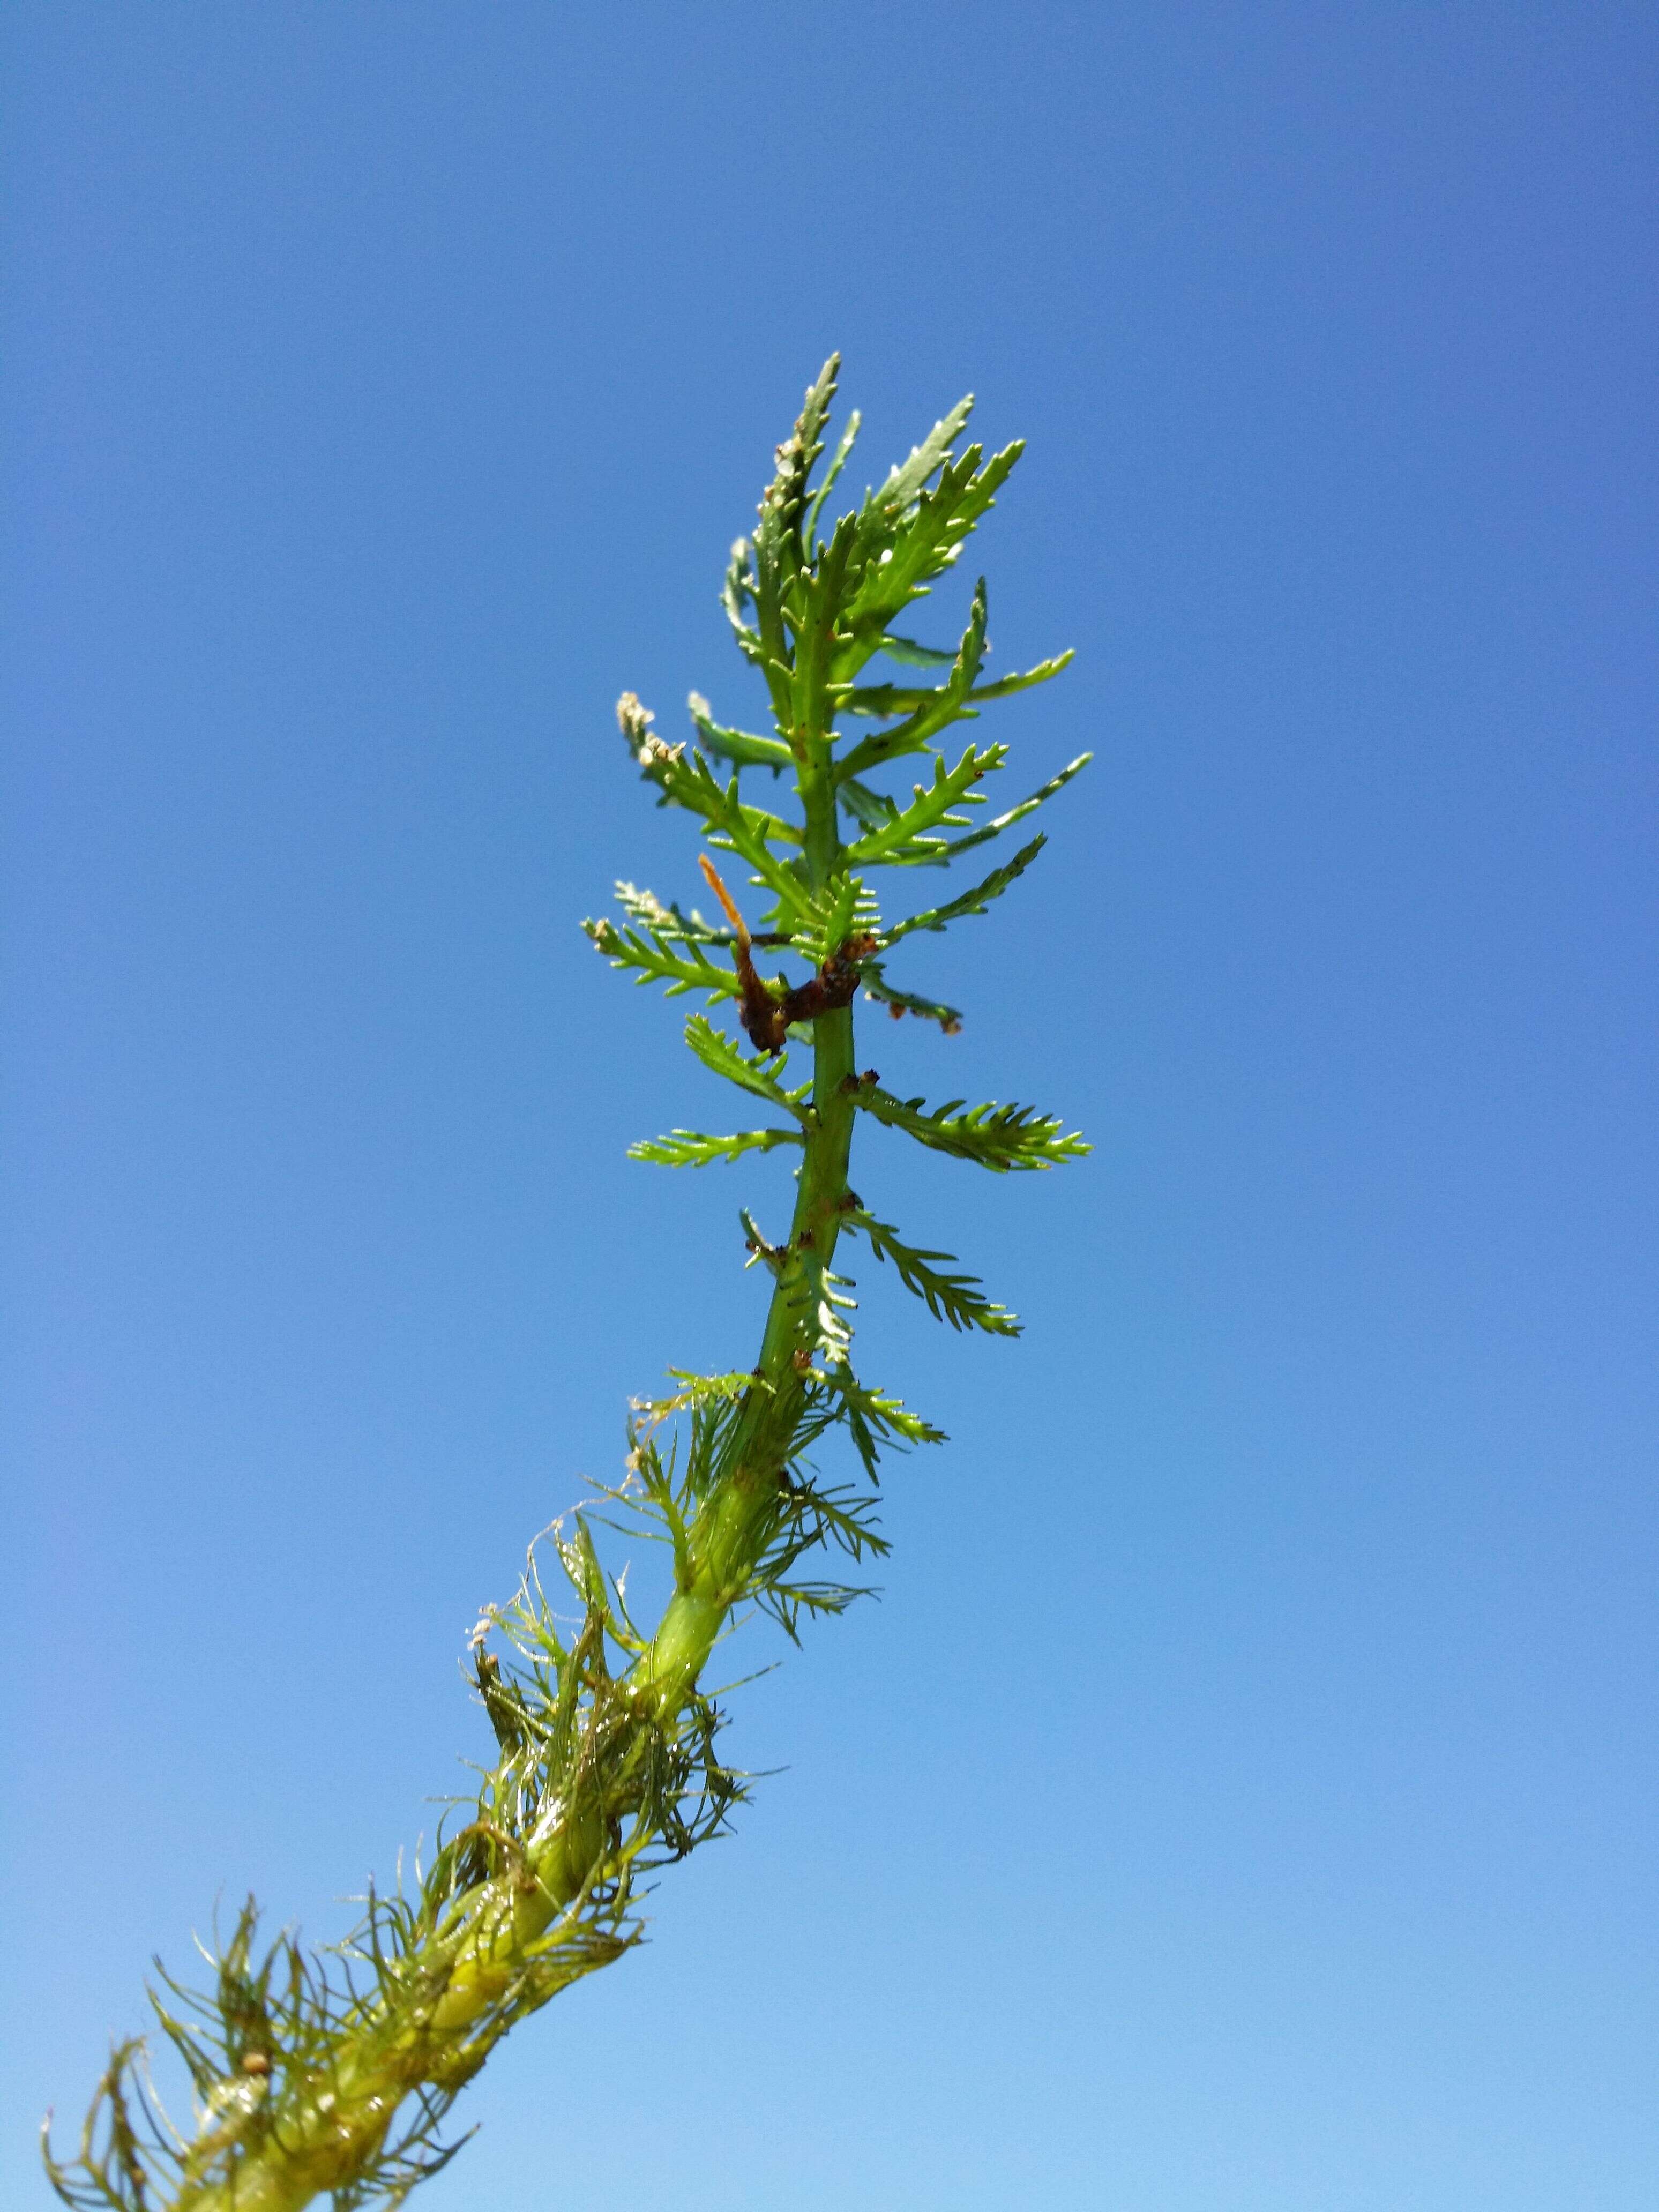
(909, 653)
(948, 850)
(689, 1148)
(973, 901)
(688, 970)
(872, 808)
(846, 910)
(908, 479)
(671, 922)
(903, 841)
(921, 709)
(876, 1422)
(960, 1300)
(991, 1136)
(718, 1053)
(929, 538)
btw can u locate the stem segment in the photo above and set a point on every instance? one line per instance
(474, 1965)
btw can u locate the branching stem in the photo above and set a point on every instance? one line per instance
(309, 2082)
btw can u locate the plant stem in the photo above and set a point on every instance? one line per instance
(310, 2079)
(474, 1964)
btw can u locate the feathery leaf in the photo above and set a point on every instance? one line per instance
(949, 850)
(652, 960)
(721, 1056)
(973, 901)
(991, 1136)
(904, 838)
(960, 1300)
(690, 1148)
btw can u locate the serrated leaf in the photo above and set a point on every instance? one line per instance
(686, 780)
(960, 1300)
(906, 698)
(653, 962)
(949, 849)
(847, 909)
(973, 901)
(778, 548)
(873, 810)
(670, 922)
(690, 1148)
(928, 540)
(909, 654)
(875, 1421)
(906, 833)
(919, 707)
(738, 592)
(699, 1389)
(1004, 687)
(999, 1138)
(719, 1054)
(907, 479)
(935, 710)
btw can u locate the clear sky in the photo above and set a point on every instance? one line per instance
(1243, 1797)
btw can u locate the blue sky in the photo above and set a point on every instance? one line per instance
(1243, 1795)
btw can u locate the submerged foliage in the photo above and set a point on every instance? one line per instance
(332, 2073)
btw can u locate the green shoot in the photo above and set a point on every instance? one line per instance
(333, 2073)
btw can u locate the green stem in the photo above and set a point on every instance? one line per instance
(729, 1533)
(337, 2131)
(304, 2081)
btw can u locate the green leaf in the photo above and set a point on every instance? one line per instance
(834, 1338)
(973, 901)
(958, 1299)
(928, 540)
(898, 1003)
(699, 1390)
(780, 550)
(686, 780)
(810, 1517)
(936, 709)
(669, 923)
(906, 698)
(689, 1148)
(919, 706)
(845, 910)
(831, 474)
(908, 652)
(737, 592)
(903, 840)
(1004, 687)
(991, 1136)
(688, 970)
(876, 1422)
(718, 1053)
(948, 851)
(969, 658)
(907, 480)
(798, 455)
(873, 809)
(740, 747)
